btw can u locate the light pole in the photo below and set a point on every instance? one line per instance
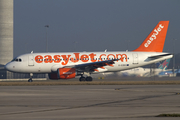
(47, 26)
(173, 55)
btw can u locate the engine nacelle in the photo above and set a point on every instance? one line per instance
(63, 73)
(66, 73)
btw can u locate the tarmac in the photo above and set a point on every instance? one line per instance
(89, 102)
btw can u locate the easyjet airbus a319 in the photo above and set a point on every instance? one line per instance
(67, 65)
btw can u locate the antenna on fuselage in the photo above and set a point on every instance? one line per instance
(105, 50)
(31, 52)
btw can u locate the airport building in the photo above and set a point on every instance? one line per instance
(6, 35)
(6, 41)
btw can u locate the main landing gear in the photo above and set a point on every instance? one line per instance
(88, 78)
(82, 78)
(30, 79)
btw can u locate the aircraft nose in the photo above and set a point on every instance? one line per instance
(11, 66)
(8, 67)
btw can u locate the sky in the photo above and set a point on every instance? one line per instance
(92, 25)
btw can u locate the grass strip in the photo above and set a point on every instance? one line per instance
(168, 115)
(41, 83)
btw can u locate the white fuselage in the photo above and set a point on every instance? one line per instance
(50, 62)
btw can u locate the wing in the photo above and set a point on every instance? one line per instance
(91, 67)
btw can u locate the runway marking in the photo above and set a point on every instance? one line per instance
(85, 106)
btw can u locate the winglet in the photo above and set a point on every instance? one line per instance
(155, 40)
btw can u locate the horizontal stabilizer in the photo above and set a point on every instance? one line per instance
(158, 56)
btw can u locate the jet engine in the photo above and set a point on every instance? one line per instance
(63, 73)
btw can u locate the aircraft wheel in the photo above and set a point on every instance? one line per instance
(30, 80)
(88, 78)
(82, 79)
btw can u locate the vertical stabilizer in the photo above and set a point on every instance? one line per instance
(164, 65)
(155, 40)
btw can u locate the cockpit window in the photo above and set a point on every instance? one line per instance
(14, 59)
(17, 59)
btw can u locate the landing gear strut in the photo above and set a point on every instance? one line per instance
(30, 79)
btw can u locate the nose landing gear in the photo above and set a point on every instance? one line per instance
(30, 79)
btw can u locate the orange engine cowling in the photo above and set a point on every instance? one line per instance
(63, 73)
(66, 73)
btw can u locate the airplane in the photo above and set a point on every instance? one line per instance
(169, 73)
(67, 65)
(145, 72)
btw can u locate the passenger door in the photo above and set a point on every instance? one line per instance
(30, 60)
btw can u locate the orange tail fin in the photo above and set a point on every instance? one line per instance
(155, 40)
